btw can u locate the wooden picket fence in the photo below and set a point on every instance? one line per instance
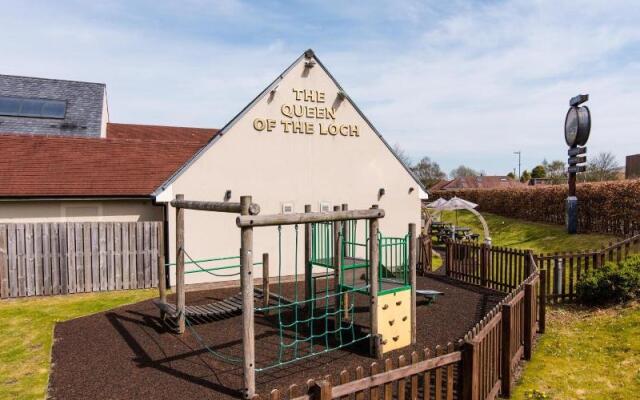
(424, 254)
(41, 259)
(498, 268)
(564, 270)
(432, 375)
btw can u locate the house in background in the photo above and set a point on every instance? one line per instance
(476, 182)
(632, 167)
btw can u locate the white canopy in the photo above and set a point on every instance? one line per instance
(437, 204)
(457, 203)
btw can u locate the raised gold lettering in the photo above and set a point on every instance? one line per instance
(308, 128)
(298, 93)
(331, 113)
(271, 123)
(320, 97)
(298, 110)
(297, 127)
(286, 125)
(344, 130)
(259, 124)
(286, 110)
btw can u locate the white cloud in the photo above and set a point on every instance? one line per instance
(460, 82)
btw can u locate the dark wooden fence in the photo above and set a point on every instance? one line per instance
(41, 259)
(431, 375)
(424, 259)
(498, 268)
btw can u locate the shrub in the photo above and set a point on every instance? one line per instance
(611, 283)
(606, 207)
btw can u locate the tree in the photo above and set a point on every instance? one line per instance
(428, 172)
(603, 167)
(556, 171)
(538, 172)
(525, 177)
(402, 155)
(463, 171)
(511, 175)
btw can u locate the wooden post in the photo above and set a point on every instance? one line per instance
(470, 373)
(506, 351)
(180, 301)
(308, 268)
(543, 301)
(162, 278)
(412, 277)
(448, 258)
(345, 236)
(246, 283)
(320, 390)
(529, 319)
(265, 282)
(337, 272)
(374, 254)
(484, 261)
(528, 267)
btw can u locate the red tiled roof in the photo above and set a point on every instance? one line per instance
(156, 132)
(34, 165)
(477, 182)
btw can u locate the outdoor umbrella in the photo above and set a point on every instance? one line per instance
(437, 204)
(456, 203)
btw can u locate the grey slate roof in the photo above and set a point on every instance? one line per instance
(84, 106)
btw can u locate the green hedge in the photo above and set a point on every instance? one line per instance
(613, 283)
(605, 207)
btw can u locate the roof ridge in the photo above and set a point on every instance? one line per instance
(163, 126)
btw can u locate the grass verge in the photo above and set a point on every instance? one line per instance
(26, 334)
(539, 237)
(586, 353)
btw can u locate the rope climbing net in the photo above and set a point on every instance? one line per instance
(321, 322)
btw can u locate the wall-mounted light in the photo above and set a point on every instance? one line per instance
(342, 95)
(380, 192)
(309, 64)
(411, 189)
(274, 90)
(227, 195)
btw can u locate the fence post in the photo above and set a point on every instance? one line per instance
(374, 254)
(529, 319)
(470, 372)
(412, 274)
(266, 295)
(320, 390)
(484, 261)
(180, 304)
(246, 284)
(559, 275)
(542, 324)
(308, 268)
(448, 257)
(506, 351)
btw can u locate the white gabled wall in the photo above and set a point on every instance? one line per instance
(277, 167)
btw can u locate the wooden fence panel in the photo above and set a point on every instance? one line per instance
(4, 263)
(58, 258)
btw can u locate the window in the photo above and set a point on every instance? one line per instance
(39, 108)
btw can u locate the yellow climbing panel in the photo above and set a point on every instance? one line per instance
(394, 320)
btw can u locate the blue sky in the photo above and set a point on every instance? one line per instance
(460, 82)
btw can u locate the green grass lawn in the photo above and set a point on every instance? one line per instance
(26, 333)
(586, 354)
(541, 238)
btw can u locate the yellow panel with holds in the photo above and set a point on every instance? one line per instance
(394, 320)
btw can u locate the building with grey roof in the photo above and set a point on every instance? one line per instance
(52, 106)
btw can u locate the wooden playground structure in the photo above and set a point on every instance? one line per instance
(381, 268)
